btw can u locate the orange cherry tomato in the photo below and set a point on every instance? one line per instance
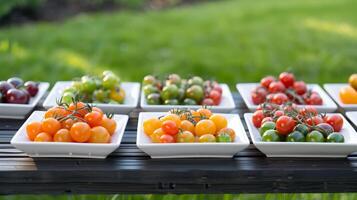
(56, 112)
(205, 126)
(187, 126)
(172, 117)
(155, 136)
(80, 108)
(33, 129)
(204, 112)
(68, 123)
(94, 118)
(229, 131)
(196, 115)
(219, 120)
(43, 137)
(80, 132)
(99, 135)
(109, 124)
(62, 135)
(150, 125)
(98, 110)
(348, 95)
(51, 125)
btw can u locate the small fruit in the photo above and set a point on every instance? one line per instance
(170, 127)
(302, 128)
(109, 124)
(353, 81)
(295, 136)
(229, 131)
(62, 135)
(348, 95)
(99, 134)
(285, 125)
(219, 120)
(205, 126)
(33, 129)
(206, 138)
(266, 126)
(336, 121)
(167, 139)
(80, 132)
(51, 126)
(185, 136)
(224, 137)
(43, 137)
(315, 136)
(336, 137)
(270, 136)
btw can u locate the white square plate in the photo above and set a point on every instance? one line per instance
(226, 105)
(131, 97)
(304, 149)
(67, 149)
(19, 111)
(192, 150)
(328, 105)
(353, 117)
(333, 89)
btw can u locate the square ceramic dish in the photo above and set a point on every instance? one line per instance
(131, 99)
(67, 149)
(353, 117)
(304, 149)
(19, 111)
(192, 150)
(333, 90)
(226, 105)
(245, 90)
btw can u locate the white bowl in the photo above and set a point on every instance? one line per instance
(19, 111)
(304, 149)
(226, 105)
(192, 150)
(131, 97)
(328, 105)
(333, 89)
(67, 149)
(353, 117)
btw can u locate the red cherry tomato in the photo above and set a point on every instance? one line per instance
(259, 95)
(285, 125)
(279, 98)
(265, 82)
(278, 113)
(208, 102)
(276, 87)
(287, 79)
(336, 121)
(215, 96)
(217, 88)
(170, 127)
(314, 99)
(315, 120)
(308, 111)
(165, 138)
(257, 118)
(300, 87)
(267, 119)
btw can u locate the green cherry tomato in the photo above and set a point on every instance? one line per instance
(181, 94)
(101, 95)
(195, 92)
(70, 89)
(196, 80)
(169, 92)
(270, 136)
(295, 136)
(110, 81)
(315, 136)
(302, 129)
(68, 97)
(171, 102)
(224, 137)
(77, 85)
(189, 101)
(88, 85)
(149, 80)
(173, 79)
(185, 137)
(207, 138)
(153, 99)
(266, 126)
(149, 89)
(336, 137)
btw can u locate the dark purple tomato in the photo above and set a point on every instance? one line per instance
(15, 81)
(32, 88)
(4, 87)
(16, 96)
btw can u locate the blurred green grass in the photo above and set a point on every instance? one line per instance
(231, 41)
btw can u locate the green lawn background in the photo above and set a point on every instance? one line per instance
(231, 41)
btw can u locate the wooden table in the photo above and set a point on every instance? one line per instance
(129, 170)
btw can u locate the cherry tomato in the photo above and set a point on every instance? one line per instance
(172, 117)
(43, 137)
(314, 99)
(257, 118)
(80, 108)
(278, 113)
(265, 82)
(205, 112)
(315, 120)
(229, 131)
(208, 102)
(217, 88)
(276, 87)
(215, 96)
(205, 126)
(80, 132)
(167, 139)
(300, 87)
(68, 123)
(109, 124)
(187, 126)
(219, 120)
(196, 115)
(51, 125)
(99, 135)
(33, 129)
(155, 136)
(285, 125)
(259, 95)
(207, 138)
(269, 97)
(185, 136)
(279, 98)
(336, 121)
(287, 79)
(94, 118)
(348, 95)
(62, 135)
(170, 127)
(56, 112)
(267, 119)
(98, 110)
(308, 111)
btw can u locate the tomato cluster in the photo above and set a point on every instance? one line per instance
(177, 91)
(77, 122)
(348, 94)
(96, 89)
(286, 89)
(184, 126)
(287, 123)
